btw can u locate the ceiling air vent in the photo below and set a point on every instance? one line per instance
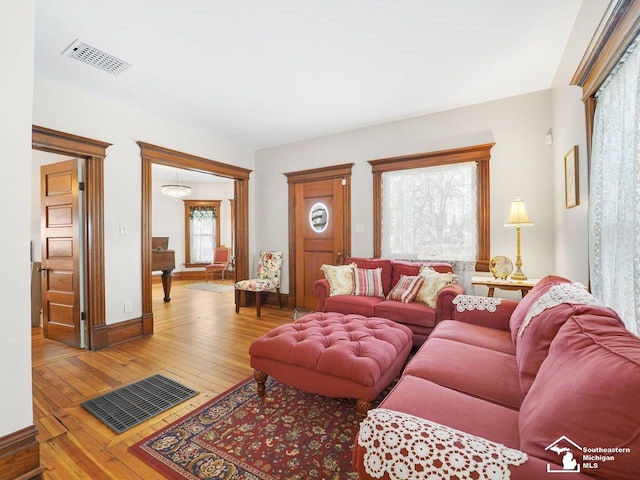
(95, 57)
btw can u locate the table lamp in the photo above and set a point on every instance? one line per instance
(518, 218)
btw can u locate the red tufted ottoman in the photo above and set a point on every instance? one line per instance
(335, 355)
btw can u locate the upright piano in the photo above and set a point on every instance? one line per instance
(163, 260)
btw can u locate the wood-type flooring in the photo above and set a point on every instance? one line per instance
(198, 341)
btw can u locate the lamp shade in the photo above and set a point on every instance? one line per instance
(518, 215)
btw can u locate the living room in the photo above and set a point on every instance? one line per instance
(522, 163)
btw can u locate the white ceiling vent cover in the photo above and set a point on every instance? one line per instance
(95, 57)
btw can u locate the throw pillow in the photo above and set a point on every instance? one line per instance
(432, 284)
(406, 289)
(368, 282)
(340, 278)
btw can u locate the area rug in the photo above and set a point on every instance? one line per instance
(287, 434)
(131, 405)
(211, 287)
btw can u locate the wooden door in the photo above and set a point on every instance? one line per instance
(322, 225)
(59, 229)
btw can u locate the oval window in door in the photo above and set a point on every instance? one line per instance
(319, 217)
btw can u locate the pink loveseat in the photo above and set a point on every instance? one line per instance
(548, 384)
(419, 317)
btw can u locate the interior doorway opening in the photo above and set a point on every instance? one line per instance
(153, 154)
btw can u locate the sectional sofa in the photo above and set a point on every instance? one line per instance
(421, 316)
(519, 390)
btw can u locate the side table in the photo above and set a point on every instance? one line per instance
(492, 283)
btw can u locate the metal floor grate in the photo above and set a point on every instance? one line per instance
(128, 406)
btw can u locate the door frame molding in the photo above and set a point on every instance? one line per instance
(92, 152)
(155, 154)
(311, 175)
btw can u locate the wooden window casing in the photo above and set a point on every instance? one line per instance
(619, 27)
(481, 154)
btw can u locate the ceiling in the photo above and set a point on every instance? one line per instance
(265, 73)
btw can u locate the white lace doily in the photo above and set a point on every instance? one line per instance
(472, 302)
(409, 447)
(571, 293)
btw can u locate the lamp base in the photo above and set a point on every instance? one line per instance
(518, 276)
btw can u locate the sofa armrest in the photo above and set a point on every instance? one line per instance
(321, 289)
(376, 457)
(485, 311)
(444, 303)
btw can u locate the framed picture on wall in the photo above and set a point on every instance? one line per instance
(572, 192)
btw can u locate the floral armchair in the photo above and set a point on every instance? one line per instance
(268, 279)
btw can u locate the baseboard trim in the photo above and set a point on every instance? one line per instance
(20, 454)
(124, 331)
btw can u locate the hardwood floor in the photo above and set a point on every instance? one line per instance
(198, 340)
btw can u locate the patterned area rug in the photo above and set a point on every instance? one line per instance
(288, 434)
(211, 287)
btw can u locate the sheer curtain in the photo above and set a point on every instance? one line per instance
(614, 209)
(202, 228)
(431, 214)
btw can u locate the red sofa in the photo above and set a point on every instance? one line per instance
(420, 318)
(523, 389)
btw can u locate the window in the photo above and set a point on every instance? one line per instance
(423, 206)
(608, 75)
(202, 230)
(430, 213)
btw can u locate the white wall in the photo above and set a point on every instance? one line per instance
(16, 97)
(571, 225)
(569, 129)
(60, 108)
(168, 214)
(521, 164)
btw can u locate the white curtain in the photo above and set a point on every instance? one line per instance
(202, 229)
(614, 208)
(431, 214)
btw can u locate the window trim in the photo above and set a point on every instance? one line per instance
(481, 154)
(187, 228)
(618, 28)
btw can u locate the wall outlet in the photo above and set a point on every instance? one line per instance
(127, 307)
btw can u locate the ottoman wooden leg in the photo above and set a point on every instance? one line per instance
(261, 378)
(363, 407)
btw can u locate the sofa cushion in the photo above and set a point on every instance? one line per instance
(542, 324)
(470, 369)
(352, 304)
(406, 289)
(587, 391)
(368, 282)
(478, 335)
(437, 403)
(407, 313)
(340, 278)
(432, 285)
(519, 314)
(384, 263)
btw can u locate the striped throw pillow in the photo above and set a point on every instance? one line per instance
(406, 289)
(368, 282)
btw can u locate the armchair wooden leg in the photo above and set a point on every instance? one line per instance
(237, 300)
(279, 299)
(258, 302)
